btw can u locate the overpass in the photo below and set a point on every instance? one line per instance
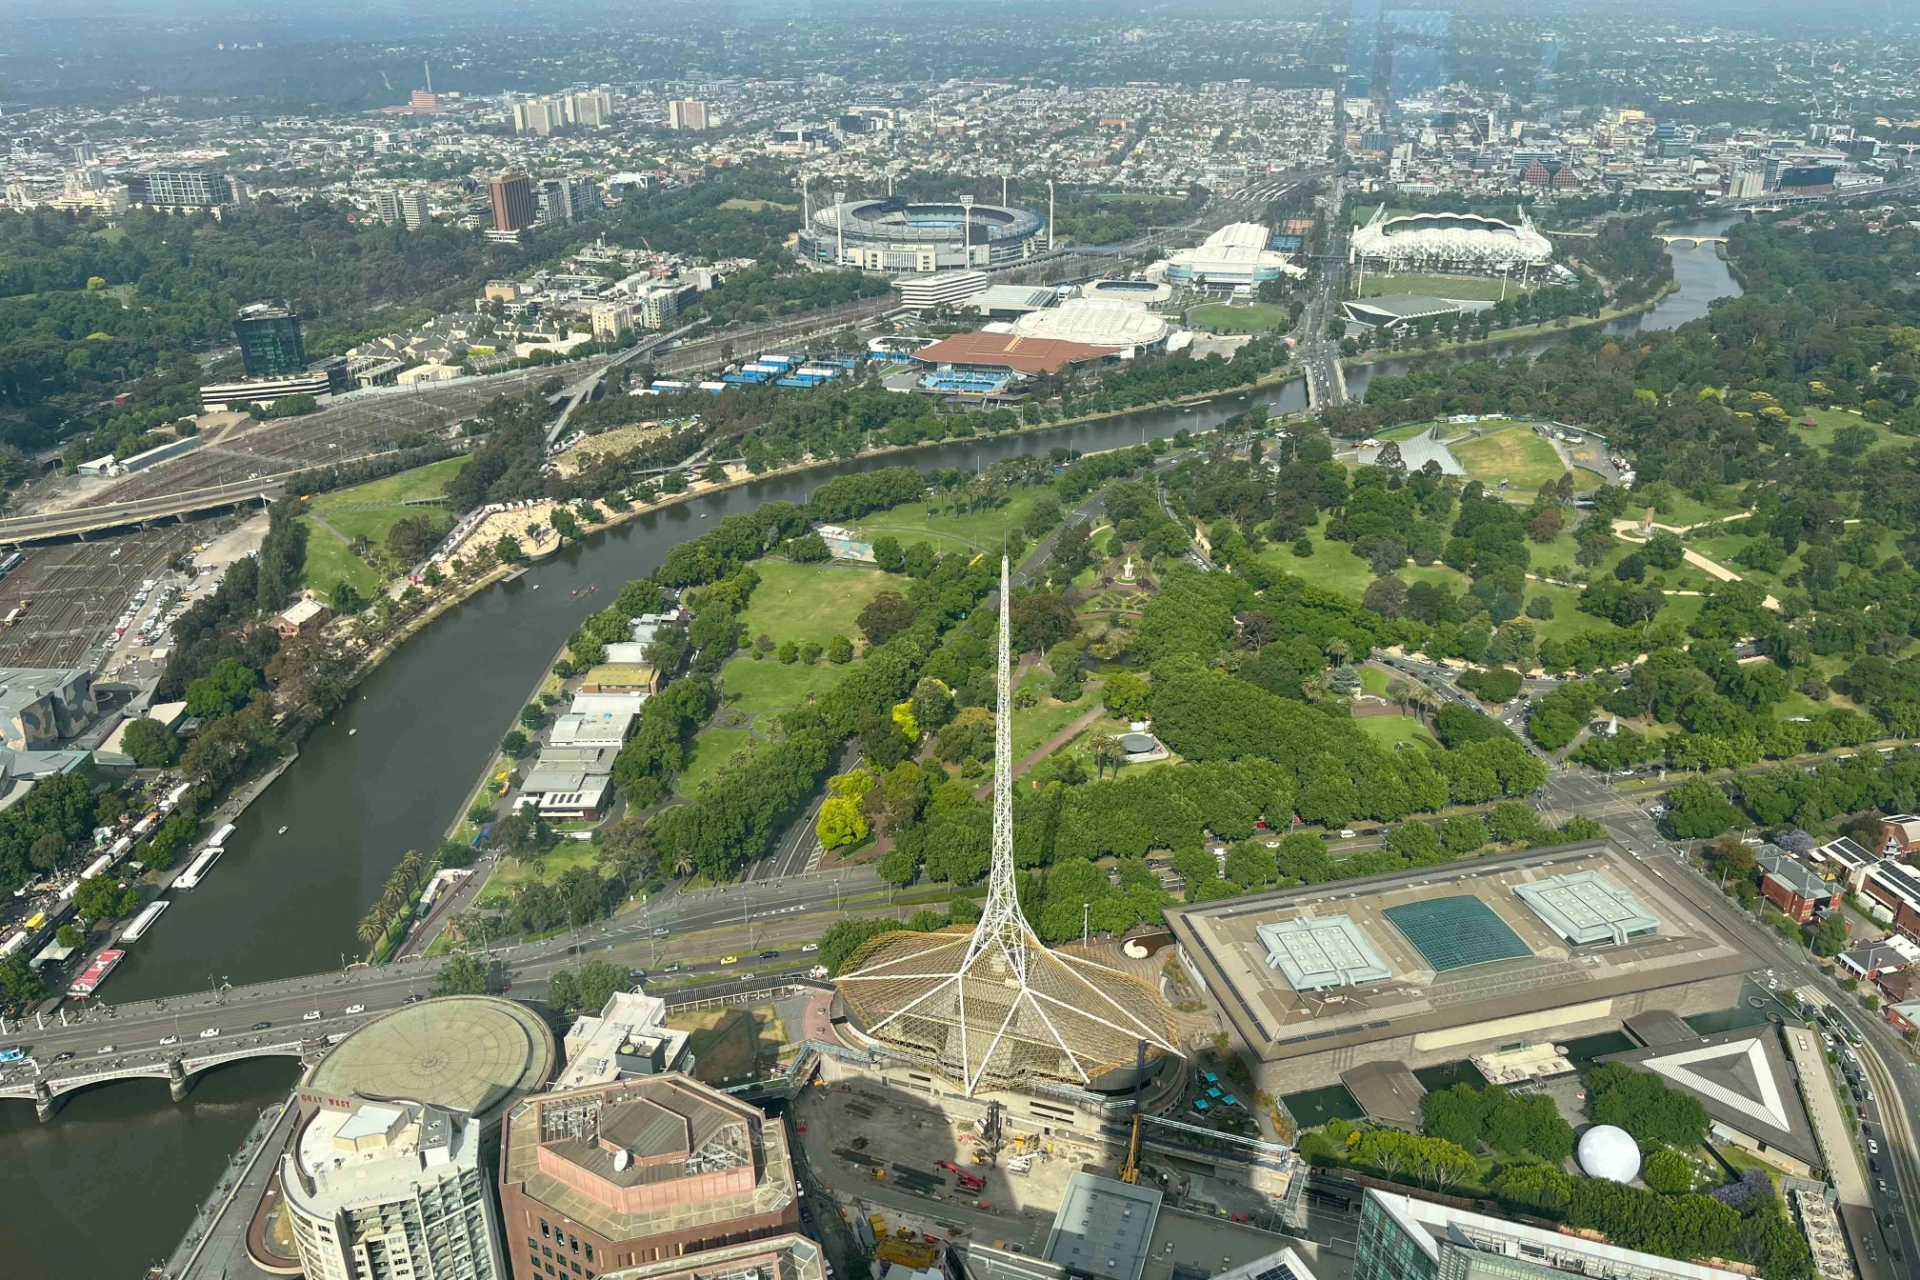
(17, 531)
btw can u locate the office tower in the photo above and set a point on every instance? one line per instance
(414, 208)
(270, 342)
(686, 113)
(556, 201)
(179, 189)
(650, 1167)
(386, 206)
(514, 204)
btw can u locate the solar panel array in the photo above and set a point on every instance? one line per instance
(1457, 932)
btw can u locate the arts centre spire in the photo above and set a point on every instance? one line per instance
(993, 1007)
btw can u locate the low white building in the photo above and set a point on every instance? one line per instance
(627, 1038)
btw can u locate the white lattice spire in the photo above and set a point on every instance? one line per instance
(1006, 997)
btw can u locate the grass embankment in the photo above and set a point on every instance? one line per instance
(369, 511)
(950, 530)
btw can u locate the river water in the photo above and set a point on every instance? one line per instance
(388, 775)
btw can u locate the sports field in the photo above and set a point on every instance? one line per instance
(1219, 317)
(1457, 288)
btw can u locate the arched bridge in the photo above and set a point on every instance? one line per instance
(1695, 241)
(175, 1065)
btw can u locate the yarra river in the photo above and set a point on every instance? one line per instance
(106, 1188)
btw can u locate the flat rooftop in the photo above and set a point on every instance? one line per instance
(1102, 1227)
(1420, 994)
(1587, 909)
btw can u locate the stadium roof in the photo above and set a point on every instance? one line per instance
(1452, 239)
(1099, 322)
(1010, 351)
(1456, 932)
(1587, 908)
(1323, 951)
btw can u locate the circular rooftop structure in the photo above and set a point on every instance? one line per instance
(1608, 1151)
(475, 1054)
(1096, 322)
(896, 234)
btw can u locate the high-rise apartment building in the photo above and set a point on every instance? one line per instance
(1402, 1238)
(270, 341)
(85, 153)
(590, 108)
(415, 208)
(391, 1189)
(514, 204)
(686, 113)
(386, 205)
(538, 116)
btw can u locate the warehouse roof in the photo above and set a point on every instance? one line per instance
(1103, 1227)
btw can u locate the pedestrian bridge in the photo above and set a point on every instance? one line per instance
(178, 1070)
(1695, 241)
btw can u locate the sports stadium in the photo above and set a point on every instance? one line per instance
(1464, 242)
(1431, 965)
(894, 234)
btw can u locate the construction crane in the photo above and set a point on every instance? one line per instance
(1130, 1170)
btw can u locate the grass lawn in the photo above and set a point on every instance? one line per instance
(1406, 431)
(429, 481)
(1219, 317)
(1684, 511)
(1374, 680)
(1459, 288)
(947, 529)
(711, 750)
(329, 563)
(1542, 556)
(755, 206)
(1567, 620)
(1796, 704)
(1033, 725)
(369, 511)
(802, 602)
(1332, 564)
(1387, 730)
(1831, 420)
(512, 871)
(1515, 455)
(756, 688)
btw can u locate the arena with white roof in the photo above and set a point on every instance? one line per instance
(1468, 242)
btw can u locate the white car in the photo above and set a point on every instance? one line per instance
(310, 1017)
(210, 1033)
(1348, 833)
(169, 1039)
(1873, 1148)
(356, 1008)
(811, 946)
(103, 1049)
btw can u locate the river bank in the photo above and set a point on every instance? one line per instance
(428, 718)
(1525, 333)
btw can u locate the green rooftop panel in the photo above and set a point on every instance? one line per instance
(1454, 933)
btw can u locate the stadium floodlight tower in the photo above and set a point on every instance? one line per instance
(996, 1007)
(966, 228)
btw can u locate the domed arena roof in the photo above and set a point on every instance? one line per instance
(475, 1054)
(1608, 1151)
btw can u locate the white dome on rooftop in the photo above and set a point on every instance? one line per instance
(1608, 1151)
